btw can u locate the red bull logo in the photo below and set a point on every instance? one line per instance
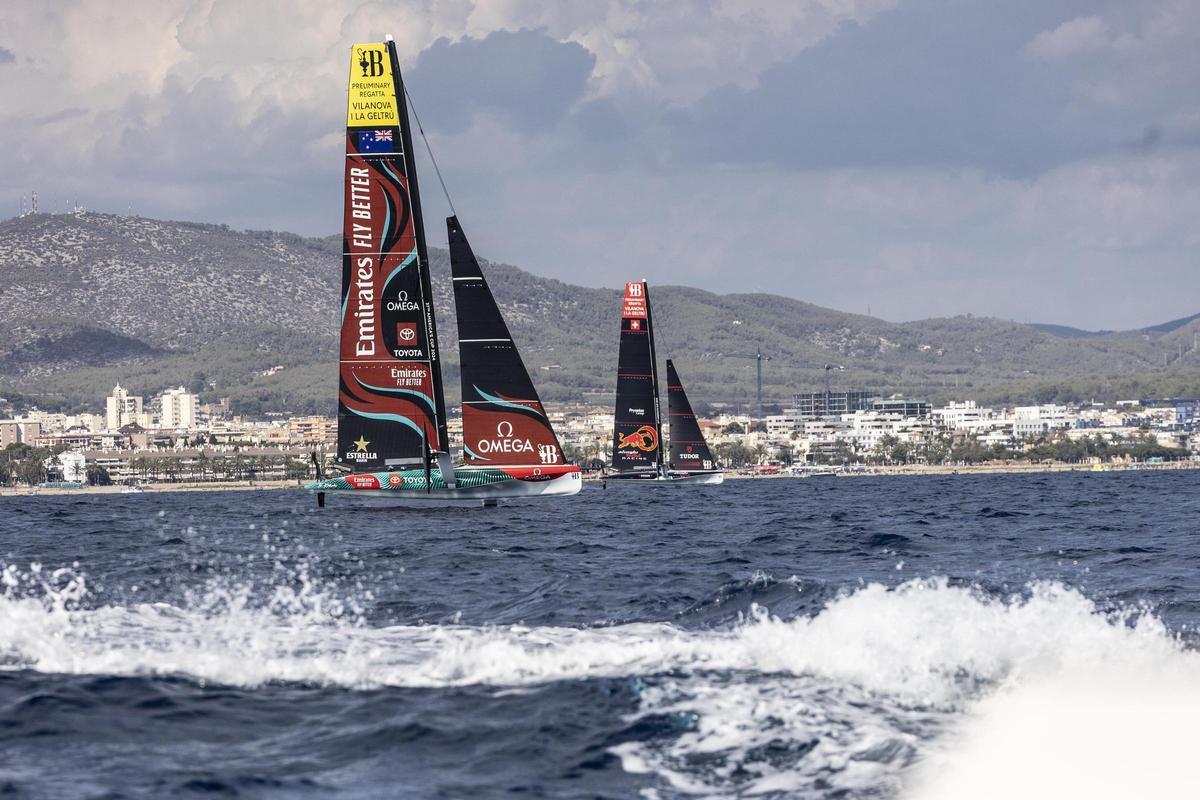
(644, 438)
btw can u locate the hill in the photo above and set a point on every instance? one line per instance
(89, 299)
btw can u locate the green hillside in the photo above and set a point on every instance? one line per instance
(92, 299)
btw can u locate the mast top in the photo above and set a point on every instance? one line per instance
(387, 37)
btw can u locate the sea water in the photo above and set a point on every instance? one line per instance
(908, 637)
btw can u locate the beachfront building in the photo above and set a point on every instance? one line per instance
(1039, 420)
(961, 416)
(178, 411)
(122, 408)
(781, 427)
(313, 429)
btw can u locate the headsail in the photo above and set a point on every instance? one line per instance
(504, 422)
(637, 432)
(689, 451)
(391, 409)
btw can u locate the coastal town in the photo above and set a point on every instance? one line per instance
(173, 438)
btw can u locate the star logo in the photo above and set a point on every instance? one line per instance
(361, 444)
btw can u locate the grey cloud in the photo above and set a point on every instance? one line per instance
(7, 56)
(525, 77)
(927, 84)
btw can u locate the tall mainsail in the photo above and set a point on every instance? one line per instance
(504, 422)
(391, 409)
(637, 432)
(689, 451)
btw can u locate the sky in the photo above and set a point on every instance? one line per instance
(1034, 160)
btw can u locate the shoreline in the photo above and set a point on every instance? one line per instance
(868, 472)
(986, 469)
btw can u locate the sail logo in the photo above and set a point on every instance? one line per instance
(371, 100)
(363, 293)
(504, 442)
(548, 453)
(409, 376)
(402, 303)
(644, 438)
(360, 451)
(634, 304)
(406, 341)
(362, 275)
(363, 481)
(371, 62)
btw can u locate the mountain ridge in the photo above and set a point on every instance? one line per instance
(90, 299)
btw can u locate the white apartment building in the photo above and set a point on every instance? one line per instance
(123, 408)
(780, 427)
(966, 415)
(1037, 420)
(178, 410)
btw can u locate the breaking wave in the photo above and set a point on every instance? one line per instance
(851, 697)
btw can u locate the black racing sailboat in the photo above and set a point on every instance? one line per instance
(392, 433)
(638, 453)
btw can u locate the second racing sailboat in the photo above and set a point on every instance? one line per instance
(638, 453)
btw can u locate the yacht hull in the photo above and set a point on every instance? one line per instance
(473, 485)
(672, 479)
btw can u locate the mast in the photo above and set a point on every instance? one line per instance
(637, 429)
(654, 374)
(410, 169)
(504, 422)
(391, 407)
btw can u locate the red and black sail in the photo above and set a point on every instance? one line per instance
(637, 432)
(391, 408)
(504, 423)
(689, 451)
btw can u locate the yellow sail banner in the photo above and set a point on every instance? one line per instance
(371, 100)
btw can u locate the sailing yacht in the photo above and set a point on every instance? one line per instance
(638, 452)
(392, 438)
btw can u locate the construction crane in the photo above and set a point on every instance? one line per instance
(759, 358)
(828, 369)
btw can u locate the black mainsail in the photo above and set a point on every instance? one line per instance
(504, 422)
(391, 407)
(689, 451)
(637, 430)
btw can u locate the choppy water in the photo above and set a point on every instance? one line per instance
(1009, 636)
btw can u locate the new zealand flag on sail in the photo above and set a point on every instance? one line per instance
(375, 141)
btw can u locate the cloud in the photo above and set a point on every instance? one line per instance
(939, 84)
(525, 77)
(1124, 67)
(1027, 159)
(1072, 38)
(7, 56)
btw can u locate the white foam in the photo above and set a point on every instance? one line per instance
(871, 679)
(1106, 732)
